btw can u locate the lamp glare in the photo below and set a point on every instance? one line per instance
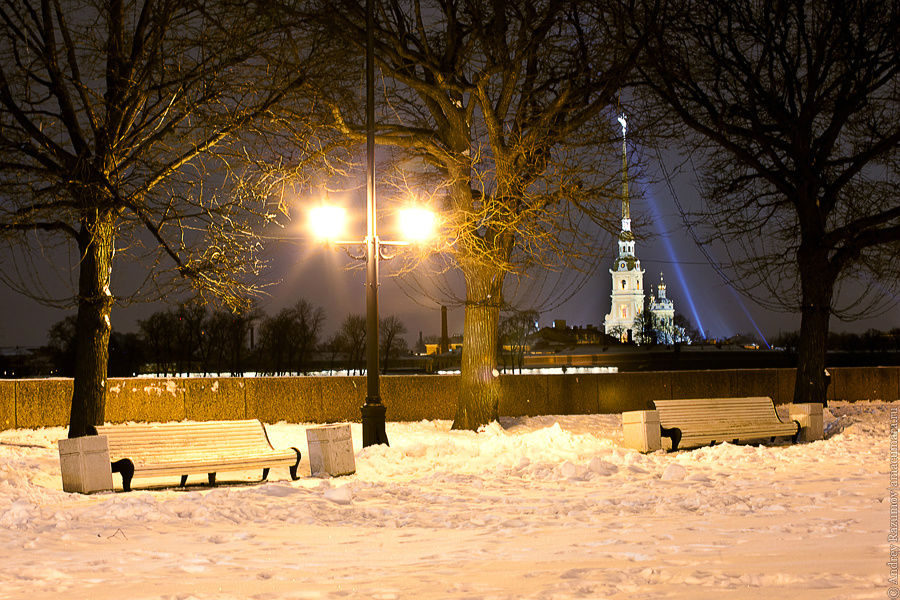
(327, 222)
(417, 224)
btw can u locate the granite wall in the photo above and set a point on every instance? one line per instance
(32, 403)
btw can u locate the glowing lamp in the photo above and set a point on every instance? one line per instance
(417, 224)
(327, 222)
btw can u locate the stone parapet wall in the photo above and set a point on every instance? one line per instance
(33, 403)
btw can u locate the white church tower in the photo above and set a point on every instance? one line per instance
(663, 311)
(627, 277)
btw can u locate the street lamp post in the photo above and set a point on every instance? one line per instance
(327, 221)
(373, 411)
(418, 225)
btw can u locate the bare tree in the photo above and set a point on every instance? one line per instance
(790, 111)
(495, 110)
(288, 338)
(306, 327)
(189, 348)
(390, 332)
(217, 342)
(515, 329)
(158, 334)
(353, 336)
(61, 343)
(276, 345)
(113, 118)
(126, 354)
(239, 329)
(333, 346)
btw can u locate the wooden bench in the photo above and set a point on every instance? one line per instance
(159, 449)
(701, 421)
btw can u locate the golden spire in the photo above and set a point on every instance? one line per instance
(626, 208)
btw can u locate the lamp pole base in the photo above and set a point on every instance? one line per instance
(373, 432)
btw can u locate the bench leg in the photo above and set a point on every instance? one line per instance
(265, 473)
(212, 479)
(672, 433)
(126, 468)
(293, 468)
(183, 480)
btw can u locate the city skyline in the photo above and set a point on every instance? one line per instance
(304, 269)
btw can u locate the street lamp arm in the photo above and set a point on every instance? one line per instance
(346, 246)
(381, 244)
(360, 254)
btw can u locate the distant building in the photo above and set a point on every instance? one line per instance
(662, 311)
(452, 344)
(627, 298)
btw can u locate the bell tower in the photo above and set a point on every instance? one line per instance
(627, 298)
(662, 311)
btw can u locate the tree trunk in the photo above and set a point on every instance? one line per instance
(817, 283)
(479, 384)
(96, 243)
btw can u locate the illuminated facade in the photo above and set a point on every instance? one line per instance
(662, 310)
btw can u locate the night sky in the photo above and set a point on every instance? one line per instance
(305, 269)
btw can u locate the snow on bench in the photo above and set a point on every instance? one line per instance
(701, 421)
(159, 449)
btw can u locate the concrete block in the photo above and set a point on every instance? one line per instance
(701, 384)
(864, 383)
(622, 392)
(43, 403)
(750, 383)
(525, 396)
(291, 399)
(420, 397)
(787, 379)
(146, 400)
(84, 464)
(573, 394)
(811, 422)
(331, 450)
(7, 404)
(214, 399)
(641, 430)
(342, 399)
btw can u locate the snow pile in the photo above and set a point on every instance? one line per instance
(544, 507)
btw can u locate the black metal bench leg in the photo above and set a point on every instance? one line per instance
(293, 468)
(212, 479)
(265, 473)
(672, 433)
(126, 468)
(184, 480)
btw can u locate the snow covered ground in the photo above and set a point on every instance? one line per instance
(548, 507)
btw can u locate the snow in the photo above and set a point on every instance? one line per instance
(543, 507)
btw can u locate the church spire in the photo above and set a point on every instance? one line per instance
(626, 204)
(626, 238)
